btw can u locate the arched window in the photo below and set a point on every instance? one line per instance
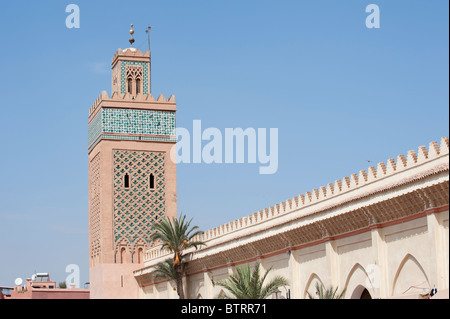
(126, 181)
(152, 181)
(130, 85)
(140, 255)
(138, 85)
(122, 255)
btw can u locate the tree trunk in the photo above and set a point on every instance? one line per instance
(180, 289)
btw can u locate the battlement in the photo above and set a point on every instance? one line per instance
(130, 54)
(142, 101)
(362, 180)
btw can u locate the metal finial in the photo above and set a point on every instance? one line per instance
(131, 33)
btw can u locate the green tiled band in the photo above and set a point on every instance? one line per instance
(132, 122)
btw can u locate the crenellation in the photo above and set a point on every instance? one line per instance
(277, 210)
(422, 154)
(100, 98)
(322, 193)
(130, 53)
(103, 97)
(390, 167)
(345, 184)
(433, 149)
(289, 202)
(295, 201)
(315, 195)
(444, 148)
(411, 158)
(283, 208)
(362, 177)
(330, 189)
(371, 174)
(401, 162)
(337, 186)
(353, 180)
(308, 198)
(381, 170)
(301, 200)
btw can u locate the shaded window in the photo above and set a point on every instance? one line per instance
(152, 181)
(138, 86)
(130, 85)
(126, 181)
(140, 255)
(122, 255)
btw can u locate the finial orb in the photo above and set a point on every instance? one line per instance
(131, 33)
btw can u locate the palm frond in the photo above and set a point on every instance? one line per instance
(328, 293)
(273, 286)
(164, 270)
(247, 284)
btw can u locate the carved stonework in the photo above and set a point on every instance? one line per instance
(138, 206)
(94, 219)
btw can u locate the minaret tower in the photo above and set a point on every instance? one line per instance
(132, 179)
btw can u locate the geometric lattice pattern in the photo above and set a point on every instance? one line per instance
(139, 206)
(123, 73)
(94, 216)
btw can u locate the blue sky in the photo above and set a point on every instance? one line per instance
(339, 93)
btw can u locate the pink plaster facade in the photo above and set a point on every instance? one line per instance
(118, 239)
(42, 290)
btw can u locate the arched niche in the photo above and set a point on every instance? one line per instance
(311, 285)
(359, 280)
(410, 277)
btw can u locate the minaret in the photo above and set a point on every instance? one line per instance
(132, 179)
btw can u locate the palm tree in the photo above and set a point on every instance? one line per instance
(246, 284)
(329, 293)
(165, 270)
(177, 235)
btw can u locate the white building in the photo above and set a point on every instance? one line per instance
(381, 233)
